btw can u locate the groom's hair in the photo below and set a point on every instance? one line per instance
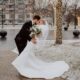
(37, 17)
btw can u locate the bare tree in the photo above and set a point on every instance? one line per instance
(75, 6)
(59, 22)
(40, 4)
(65, 6)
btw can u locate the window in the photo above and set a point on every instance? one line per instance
(1, 1)
(20, 1)
(12, 1)
(2, 18)
(11, 16)
(11, 6)
(20, 18)
(28, 16)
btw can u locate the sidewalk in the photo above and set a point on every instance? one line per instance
(7, 71)
(9, 43)
(69, 52)
(19, 26)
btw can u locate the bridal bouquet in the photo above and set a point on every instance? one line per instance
(35, 31)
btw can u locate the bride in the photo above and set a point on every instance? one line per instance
(29, 65)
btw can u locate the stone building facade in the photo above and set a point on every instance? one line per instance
(18, 11)
(15, 11)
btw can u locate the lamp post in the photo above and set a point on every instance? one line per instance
(75, 32)
(14, 15)
(75, 19)
(2, 19)
(3, 33)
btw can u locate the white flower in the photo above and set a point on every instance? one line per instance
(35, 30)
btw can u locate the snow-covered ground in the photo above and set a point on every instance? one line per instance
(68, 52)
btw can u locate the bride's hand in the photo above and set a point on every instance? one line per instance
(34, 40)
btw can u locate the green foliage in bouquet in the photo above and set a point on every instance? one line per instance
(35, 30)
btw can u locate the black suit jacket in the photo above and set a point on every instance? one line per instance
(23, 36)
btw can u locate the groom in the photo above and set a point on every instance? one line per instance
(24, 34)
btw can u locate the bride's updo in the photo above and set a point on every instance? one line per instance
(42, 21)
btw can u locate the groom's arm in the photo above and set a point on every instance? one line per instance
(25, 31)
(25, 28)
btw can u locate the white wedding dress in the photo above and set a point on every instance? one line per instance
(29, 65)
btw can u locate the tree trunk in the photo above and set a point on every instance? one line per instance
(59, 22)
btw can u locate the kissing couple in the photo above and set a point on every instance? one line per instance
(29, 41)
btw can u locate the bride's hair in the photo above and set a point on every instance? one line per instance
(42, 21)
